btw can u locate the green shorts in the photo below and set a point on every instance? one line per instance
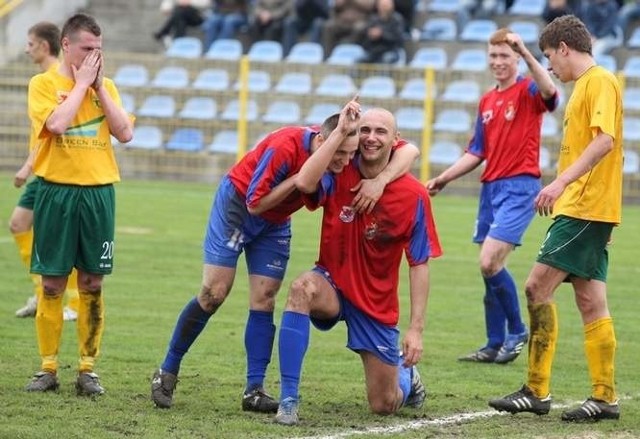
(28, 197)
(578, 247)
(73, 227)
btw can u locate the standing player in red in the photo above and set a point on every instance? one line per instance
(507, 139)
(356, 276)
(251, 213)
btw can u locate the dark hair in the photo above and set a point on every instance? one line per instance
(568, 29)
(48, 32)
(330, 124)
(79, 22)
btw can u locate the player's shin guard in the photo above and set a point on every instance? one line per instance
(600, 347)
(293, 341)
(542, 347)
(49, 329)
(90, 325)
(258, 342)
(507, 293)
(494, 317)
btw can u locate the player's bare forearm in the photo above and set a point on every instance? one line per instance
(62, 116)
(401, 162)
(275, 197)
(419, 296)
(120, 124)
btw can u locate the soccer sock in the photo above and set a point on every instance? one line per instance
(90, 326)
(24, 241)
(49, 329)
(293, 341)
(72, 291)
(600, 347)
(542, 347)
(404, 380)
(507, 293)
(258, 342)
(494, 317)
(190, 324)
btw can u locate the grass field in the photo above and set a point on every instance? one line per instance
(157, 270)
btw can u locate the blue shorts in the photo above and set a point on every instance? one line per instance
(364, 333)
(506, 209)
(232, 230)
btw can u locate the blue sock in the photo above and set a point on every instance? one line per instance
(404, 380)
(258, 342)
(190, 324)
(494, 317)
(292, 346)
(506, 292)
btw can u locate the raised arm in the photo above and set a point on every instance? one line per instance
(120, 124)
(539, 74)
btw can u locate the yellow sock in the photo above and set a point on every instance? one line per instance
(90, 325)
(24, 241)
(542, 347)
(600, 349)
(72, 291)
(49, 329)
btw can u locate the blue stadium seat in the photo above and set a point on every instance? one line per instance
(453, 120)
(162, 106)
(434, 57)
(232, 110)
(225, 49)
(439, 28)
(171, 77)
(634, 39)
(381, 87)
(528, 30)
(212, 80)
(444, 6)
(258, 81)
(336, 84)
(319, 112)
(631, 98)
(225, 142)
(527, 7)
(478, 30)
(472, 60)
(199, 107)
(297, 83)
(146, 137)
(128, 102)
(414, 89)
(282, 112)
(131, 75)
(466, 91)
(306, 52)
(608, 62)
(185, 47)
(265, 51)
(410, 118)
(631, 162)
(346, 54)
(545, 158)
(631, 128)
(186, 139)
(444, 152)
(549, 125)
(632, 67)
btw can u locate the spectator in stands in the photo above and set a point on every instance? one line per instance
(383, 38)
(308, 16)
(348, 18)
(227, 17)
(267, 21)
(557, 8)
(628, 13)
(181, 14)
(601, 18)
(478, 9)
(407, 9)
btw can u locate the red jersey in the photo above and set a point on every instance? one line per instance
(277, 157)
(363, 252)
(507, 130)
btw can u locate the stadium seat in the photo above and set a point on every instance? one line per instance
(199, 107)
(131, 75)
(632, 67)
(410, 118)
(232, 110)
(297, 83)
(453, 120)
(631, 128)
(439, 28)
(444, 152)
(258, 81)
(608, 62)
(162, 106)
(381, 87)
(265, 51)
(319, 112)
(549, 125)
(631, 98)
(225, 141)
(634, 39)
(466, 91)
(146, 137)
(336, 84)
(471, 60)
(128, 102)
(212, 80)
(444, 6)
(545, 158)
(346, 54)
(631, 162)
(414, 89)
(478, 30)
(185, 47)
(434, 57)
(171, 77)
(528, 30)
(527, 7)
(225, 49)
(282, 112)
(306, 52)
(186, 139)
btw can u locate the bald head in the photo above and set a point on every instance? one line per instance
(379, 116)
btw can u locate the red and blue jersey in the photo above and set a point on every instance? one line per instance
(363, 252)
(277, 157)
(507, 130)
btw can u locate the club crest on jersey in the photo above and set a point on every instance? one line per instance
(347, 214)
(487, 116)
(61, 96)
(510, 111)
(371, 230)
